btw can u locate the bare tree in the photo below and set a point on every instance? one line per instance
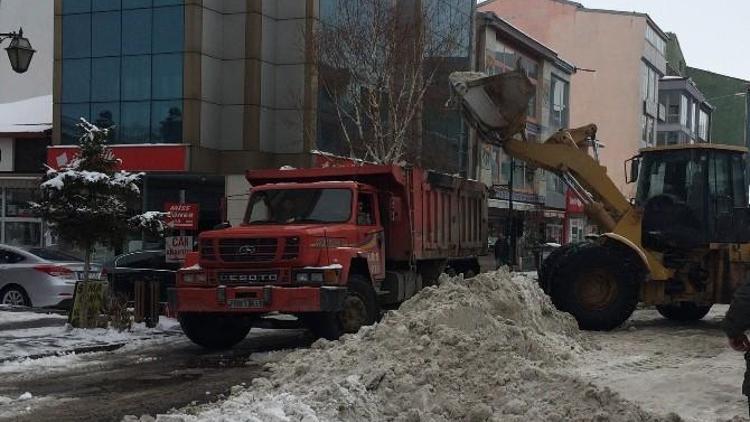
(376, 61)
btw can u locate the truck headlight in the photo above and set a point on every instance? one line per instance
(303, 277)
(197, 278)
(316, 277)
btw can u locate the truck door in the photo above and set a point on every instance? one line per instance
(371, 237)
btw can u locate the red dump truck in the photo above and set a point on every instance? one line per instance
(332, 246)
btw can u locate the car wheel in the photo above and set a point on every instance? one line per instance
(14, 296)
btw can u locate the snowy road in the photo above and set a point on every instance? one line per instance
(669, 367)
(150, 374)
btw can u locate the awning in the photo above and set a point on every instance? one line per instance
(31, 115)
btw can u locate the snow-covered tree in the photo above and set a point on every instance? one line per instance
(89, 201)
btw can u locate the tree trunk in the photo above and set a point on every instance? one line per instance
(89, 299)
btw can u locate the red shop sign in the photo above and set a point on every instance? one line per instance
(573, 205)
(146, 157)
(182, 216)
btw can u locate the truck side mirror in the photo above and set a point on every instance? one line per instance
(632, 167)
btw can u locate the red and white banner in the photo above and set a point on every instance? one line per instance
(182, 216)
(144, 157)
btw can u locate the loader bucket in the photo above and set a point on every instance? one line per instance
(494, 105)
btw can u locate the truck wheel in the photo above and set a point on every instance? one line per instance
(214, 331)
(595, 286)
(360, 309)
(683, 311)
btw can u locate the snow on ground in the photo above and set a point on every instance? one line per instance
(492, 348)
(670, 367)
(60, 340)
(10, 315)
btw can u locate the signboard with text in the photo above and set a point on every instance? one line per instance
(176, 247)
(182, 216)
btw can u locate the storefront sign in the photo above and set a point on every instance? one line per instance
(573, 205)
(177, 247)
(162, 157)
(182, 216)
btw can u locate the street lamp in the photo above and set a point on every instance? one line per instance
(19, 50)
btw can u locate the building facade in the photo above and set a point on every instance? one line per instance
(25, 122)
(538, 197)
(199, 91)
(620, 58)
(684, 113)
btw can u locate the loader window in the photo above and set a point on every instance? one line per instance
(677, 174)
(299, 206)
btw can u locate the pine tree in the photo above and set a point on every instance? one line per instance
(86, 202)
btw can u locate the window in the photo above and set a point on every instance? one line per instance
(112, 75)
(365, 210)
(23, 234)
(289, 206)
(648, 129)
(136, 31)
(559, 103)
(105, 34)
(703, 125)
(649, 82)
(655, 39)
(105, 79)
(76, 33)
(683, 111)
(8, 257)
(17, 202)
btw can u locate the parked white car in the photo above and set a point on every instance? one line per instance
(39, 277)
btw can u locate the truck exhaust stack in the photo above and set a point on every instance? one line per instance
(494, 105)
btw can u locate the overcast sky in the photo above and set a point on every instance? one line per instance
(714, 35)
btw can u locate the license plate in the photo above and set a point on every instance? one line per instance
(245, 303)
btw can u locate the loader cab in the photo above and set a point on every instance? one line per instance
(692, 195)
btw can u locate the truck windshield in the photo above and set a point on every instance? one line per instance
(287, 206)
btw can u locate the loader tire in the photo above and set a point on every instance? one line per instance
(596, 286)
(216, 332)
(683, 311)
(548, 270)
(360, 309)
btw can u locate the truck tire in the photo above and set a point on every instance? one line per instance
(594, 284)
(360, 309)
(213, 331)
(683, 311)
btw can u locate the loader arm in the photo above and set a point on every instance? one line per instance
(496, 107)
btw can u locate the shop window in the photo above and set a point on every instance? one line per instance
(134, 122)
(23, 234)
(70, 117)
(17, 202)
(135, 4)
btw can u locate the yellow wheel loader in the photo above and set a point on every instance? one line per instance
(683, 242)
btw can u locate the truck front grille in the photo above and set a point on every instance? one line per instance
(291, 248)
(248, 250)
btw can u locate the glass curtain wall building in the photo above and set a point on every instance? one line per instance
(441, 139)
(122, 66)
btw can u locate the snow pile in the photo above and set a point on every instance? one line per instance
(485, 349)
